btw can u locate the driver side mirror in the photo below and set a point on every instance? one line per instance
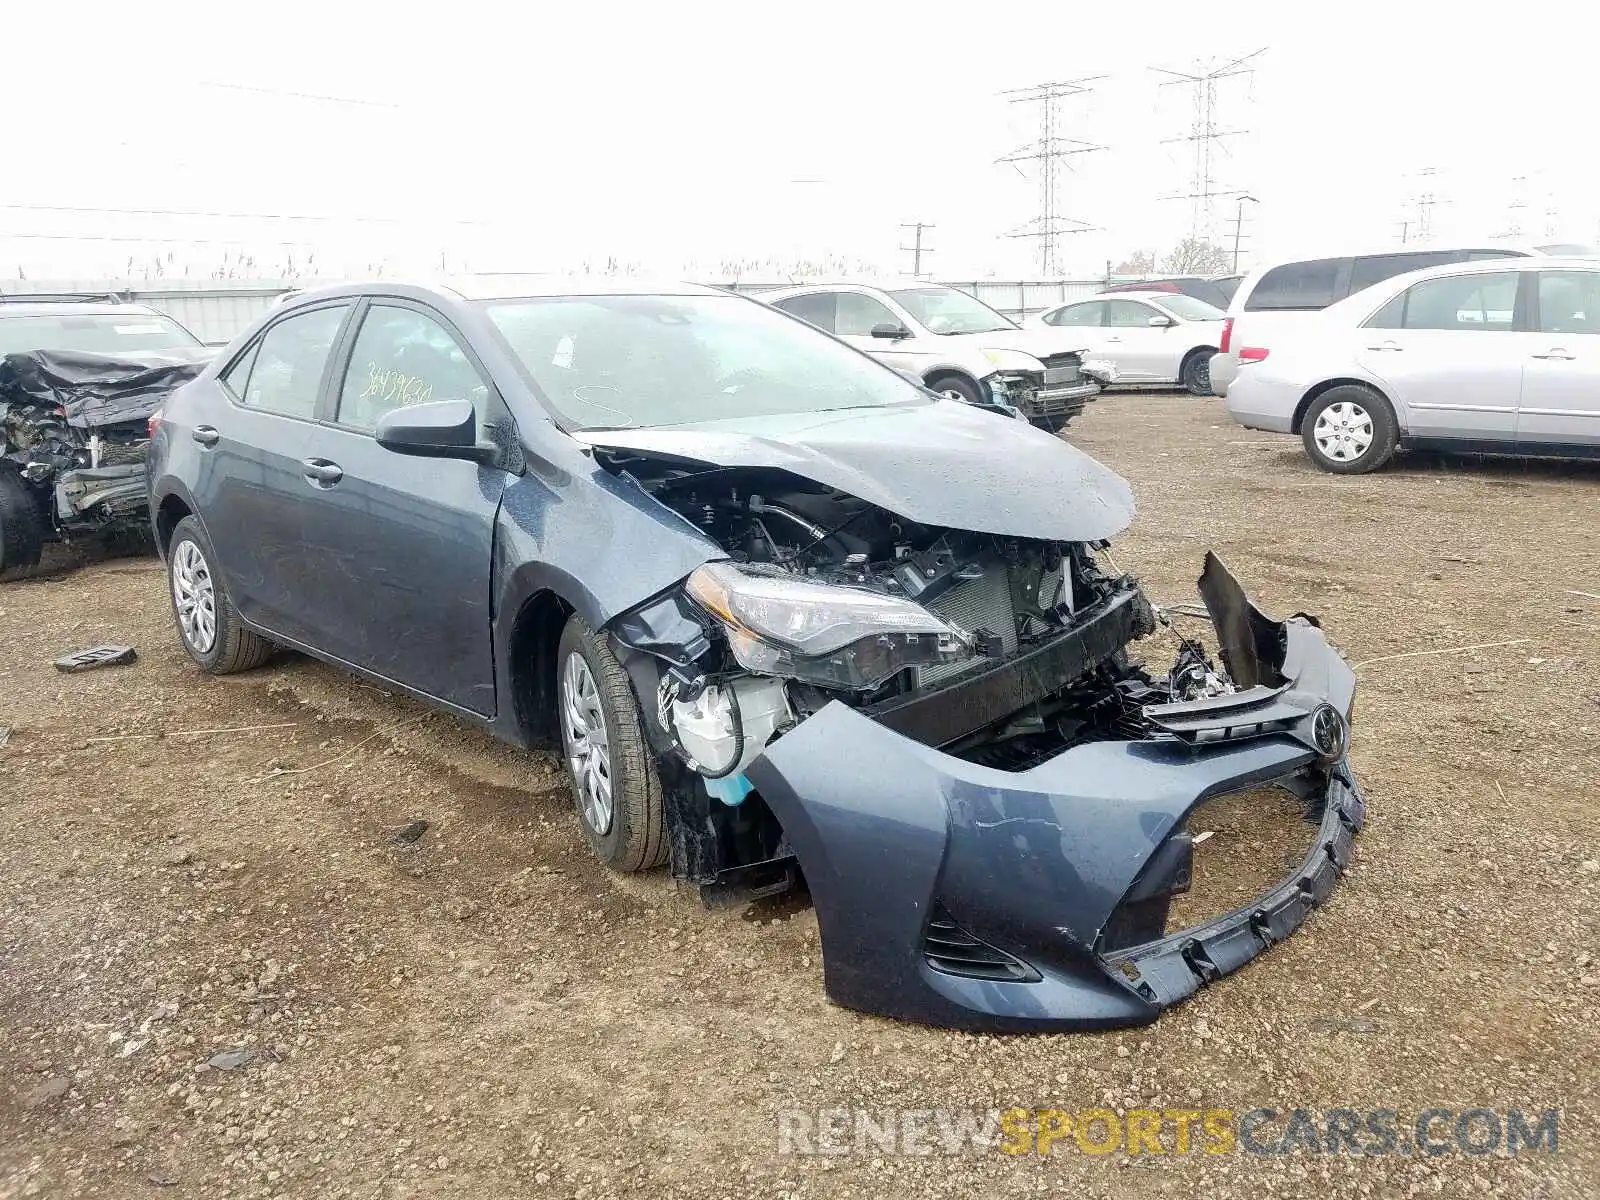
(1162, 322)
(438, 429)
(890, 331)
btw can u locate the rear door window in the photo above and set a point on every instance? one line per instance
(1461, 303)
(1307, 286)
(286, 374)
(816, 307)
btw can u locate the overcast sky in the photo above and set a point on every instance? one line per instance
(685, 136)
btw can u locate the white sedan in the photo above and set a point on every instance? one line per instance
(1500, 356)
(1152, 337)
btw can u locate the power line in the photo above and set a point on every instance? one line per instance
(1205, 136)
(917, 249)
(1051, 152)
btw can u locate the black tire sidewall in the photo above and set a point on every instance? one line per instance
(1195, 365)
(190, 530)
(635, 791)
(1385, 430)
(22, 532)
(941, 383)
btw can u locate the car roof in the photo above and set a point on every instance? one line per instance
(1153, 297)
(871, 285)
(14, 307)
(506, 287)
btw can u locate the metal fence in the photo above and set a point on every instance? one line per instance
(215, 310)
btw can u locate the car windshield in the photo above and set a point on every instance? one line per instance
(945, 310)
(92, 334)
(625, 361)
(1187, 308)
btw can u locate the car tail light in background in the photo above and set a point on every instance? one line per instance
(1227, 335)
(153, 423)
(1252, 353)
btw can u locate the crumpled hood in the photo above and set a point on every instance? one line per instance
(939, 463)
(1037, 342)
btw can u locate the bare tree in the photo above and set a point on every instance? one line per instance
(1140, 262)
(1196, 256)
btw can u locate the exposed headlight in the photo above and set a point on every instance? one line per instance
(1102, 369)
(822, 633)
(1012, 360)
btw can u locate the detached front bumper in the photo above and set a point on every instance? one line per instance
(964, 896)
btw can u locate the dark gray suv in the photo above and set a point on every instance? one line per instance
(785, 615)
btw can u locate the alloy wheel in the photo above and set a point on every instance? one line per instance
(587, 742)
(194, 597)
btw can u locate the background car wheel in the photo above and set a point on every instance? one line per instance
(954, 387)
(207, 624)
(1350, 430)
(614, 780)
(1195, 374)
(21, 527)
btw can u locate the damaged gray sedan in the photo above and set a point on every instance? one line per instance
(789, 620)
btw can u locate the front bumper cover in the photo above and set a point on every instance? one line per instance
(899, 841)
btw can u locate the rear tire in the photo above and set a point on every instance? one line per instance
(22, 529)
(1195, 374)
(1350, 430)
(208, 625)
(614, 781)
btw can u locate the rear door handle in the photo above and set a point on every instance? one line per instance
(206, 435)
(1387, 346)
(1558, 353)
(321, 471)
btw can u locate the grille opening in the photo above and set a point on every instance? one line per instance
(949, 948)
(1257, 838)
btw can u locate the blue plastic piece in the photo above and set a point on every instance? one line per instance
(731, 790)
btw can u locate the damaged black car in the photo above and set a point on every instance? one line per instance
(79, 380)
(789, 620)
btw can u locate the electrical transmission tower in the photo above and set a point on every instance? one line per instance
(1205, 136)
(916, 249)
(1418, 227)
(1051, 152)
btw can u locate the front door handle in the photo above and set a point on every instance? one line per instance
(1556, 352)
(1387, 346)
(206, 435)
(321, 471)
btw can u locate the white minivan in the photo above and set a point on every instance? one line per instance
(1280, 292)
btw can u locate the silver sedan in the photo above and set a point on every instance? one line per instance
(1152, 337)
(1500, 356)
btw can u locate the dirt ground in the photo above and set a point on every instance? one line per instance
(194, 865)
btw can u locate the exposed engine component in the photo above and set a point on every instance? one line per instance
(725, 725)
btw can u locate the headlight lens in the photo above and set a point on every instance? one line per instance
(1012, 360)
(821, 633)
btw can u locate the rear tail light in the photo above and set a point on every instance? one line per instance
(154, 423)
(1252, 353)
(1227, 335)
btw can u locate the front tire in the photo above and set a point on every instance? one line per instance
(22, 530)
(613, 773)
(208, 625)
(1350, 430)
(954, 387)
(1195, 374)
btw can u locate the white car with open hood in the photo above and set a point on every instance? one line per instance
(956, 345)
